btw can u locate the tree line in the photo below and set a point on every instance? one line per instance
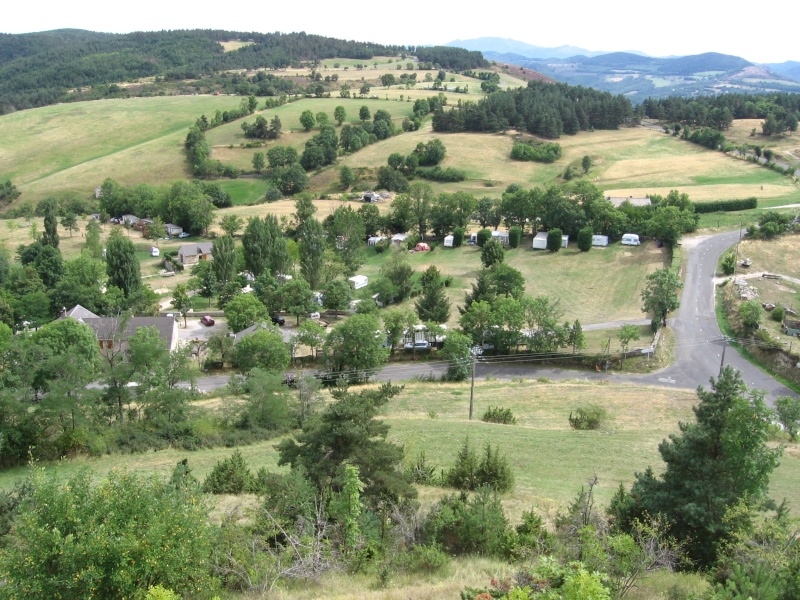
(37, 69)
(780, 111)
(545, 109)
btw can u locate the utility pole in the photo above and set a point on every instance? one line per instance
(722, 360)
(472, 388)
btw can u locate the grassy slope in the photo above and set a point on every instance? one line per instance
(550, 460)
(73, 147)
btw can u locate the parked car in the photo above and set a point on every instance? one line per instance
(278, 320)
(184, 234)
(207, 320)
(418, 345)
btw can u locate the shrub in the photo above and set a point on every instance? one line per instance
(230, 476)
(554, 240)
(514, 236)
(591, 416)
(273, 194)
(484, 235)
(728, 263)
(426, 558)
(585, 239)
(535, 151)
(495, 414)
(778, 313)
(463, 525)
(458, 237)
(469, 473)
(421, 471)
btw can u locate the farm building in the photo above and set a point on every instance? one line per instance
(191, 254)
(358, 281)
(599, 240)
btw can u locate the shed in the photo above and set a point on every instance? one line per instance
(599, 240)
(375, 239)
(448, 241)
(358, 281)
(540, 241)
(501, 236)
(421, 247)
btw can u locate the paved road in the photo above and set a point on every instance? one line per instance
(699, 343)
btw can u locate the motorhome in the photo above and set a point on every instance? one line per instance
(630, 239)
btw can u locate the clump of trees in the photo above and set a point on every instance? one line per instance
(539, 152)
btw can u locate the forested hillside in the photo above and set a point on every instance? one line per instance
(38, 69)
(544, 109)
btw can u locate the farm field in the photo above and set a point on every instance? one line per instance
(787, 144)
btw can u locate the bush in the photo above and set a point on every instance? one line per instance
(421, 471)
(113, 539)
(469, 473)
(554, 240)
(725, 205)
(495, 414)
(514, 236)
(424, 559)
(273, 194)
(484, 235)
(476, 525)
(458, 237)
(778, 313)
(728, 263)
(585, 239)
(540, 152)
(230, 476)
(588, 417)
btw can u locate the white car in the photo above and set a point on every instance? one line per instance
(184, 234)
(418, 345)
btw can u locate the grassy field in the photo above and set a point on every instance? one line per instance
(786, 144)
(74, 147)
(433, 418)
(595, 287)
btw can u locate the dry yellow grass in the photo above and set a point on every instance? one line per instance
(234, 45)
(781, 255)
(787, 143)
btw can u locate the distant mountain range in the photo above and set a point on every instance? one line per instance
(640, 76)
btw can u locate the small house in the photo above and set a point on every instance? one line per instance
(191, 254)
(375, 239)
(500, 236)
(173, 230)
(422, 247)
(358, 281)
(599, 240)
(448, 241)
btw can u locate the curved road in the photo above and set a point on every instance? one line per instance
(699, 344)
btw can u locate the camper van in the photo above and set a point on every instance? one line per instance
(599, 240)
(358, 281)
(630, 239)
(540, 241)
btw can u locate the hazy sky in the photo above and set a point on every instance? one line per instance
(679, 27)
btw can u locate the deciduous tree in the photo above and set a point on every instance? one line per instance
(660, 295)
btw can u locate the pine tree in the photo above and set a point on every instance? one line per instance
(433, 305)
(719, 461)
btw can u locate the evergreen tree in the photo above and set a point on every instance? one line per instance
(224, 264)
(312, 251)
(714, 464)
(122, 266)
(50, 235)
(433, 305)
(349, 432)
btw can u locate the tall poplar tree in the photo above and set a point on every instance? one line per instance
(122, 265)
